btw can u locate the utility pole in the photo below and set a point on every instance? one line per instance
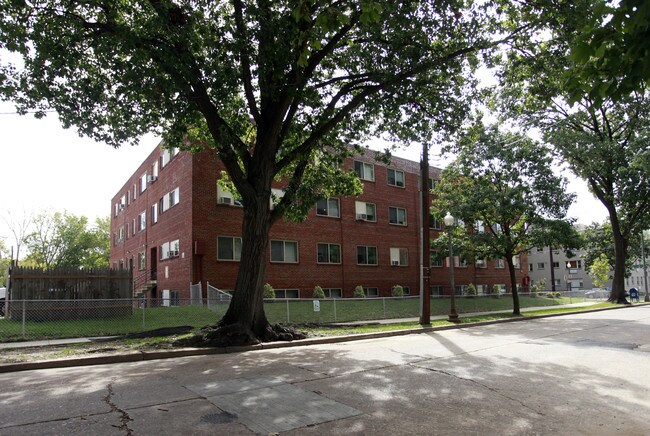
(425, 297)
(645, 270)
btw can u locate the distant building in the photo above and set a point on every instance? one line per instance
(568, 273)
(174, 225)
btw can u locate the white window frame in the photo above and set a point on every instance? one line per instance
(399, 256)
(285, 244)
(397, 221)
(143, 220)
(170, 249)
(325, 204)
(154, 213)
(328, 259)
(235, 246)
(396, 182)
(167, 156)
(481, 263)
(499, 264)
(227, 198)
(361, 211)
(143, 183)
(365, 170)
(366, 248)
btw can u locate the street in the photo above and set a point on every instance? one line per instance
(582, 374)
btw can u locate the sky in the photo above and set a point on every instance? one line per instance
(45, 168)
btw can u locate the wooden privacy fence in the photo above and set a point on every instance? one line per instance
(57, 294)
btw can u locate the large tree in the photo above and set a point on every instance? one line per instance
(503, 187)
(277, 89)
(604, 140)
(63, 240)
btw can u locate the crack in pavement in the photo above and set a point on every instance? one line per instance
(124, 415)
(490, 388)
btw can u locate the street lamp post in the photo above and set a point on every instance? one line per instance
(453, 315)
(645, 270)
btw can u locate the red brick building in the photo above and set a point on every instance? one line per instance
(174, 225)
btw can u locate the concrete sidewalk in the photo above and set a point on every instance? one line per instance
(56, 342)
(542, 376)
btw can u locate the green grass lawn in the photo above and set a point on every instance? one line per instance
(295, 312)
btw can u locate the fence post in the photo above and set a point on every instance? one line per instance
(334, 309)
(24, 315)
(143, 304)
(288, 315)
(384, 301)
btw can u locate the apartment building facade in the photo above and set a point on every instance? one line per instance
(174, 225)
(554, 266)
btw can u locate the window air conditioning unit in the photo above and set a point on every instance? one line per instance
(122, 206)
(394, 262)
(225, 200)
(151, 178)
(362, 217)
(400, 223)
(173, 253)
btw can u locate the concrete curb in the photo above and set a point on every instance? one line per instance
(140, 356)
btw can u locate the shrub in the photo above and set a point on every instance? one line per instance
(269, 292)
(358, 292)
(495, 291)
(553, 295)
(318, 292)
(397, 291)
(471, 290)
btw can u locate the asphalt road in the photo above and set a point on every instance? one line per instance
(583, 374)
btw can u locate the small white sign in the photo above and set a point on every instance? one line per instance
(316, 306)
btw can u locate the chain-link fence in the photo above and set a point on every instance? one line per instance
(55, 319)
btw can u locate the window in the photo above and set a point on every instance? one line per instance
(481, 289)
(123, 202)
(516, 262)
(333, 292)
(284, 251)
(399, 256)
(154, 213)
(276, 196)
(556, 264)
(435, 290)
(480, 263)
(127, 233)
(133, 227)
(143, 220)
(287, 293)
(154, 169)
(434, 223)
(120, 238)
(530, 267)
(170, 298)
(328, 207)
(397, 215)
(143, 183)
(407, 290)
(135, 190)
(169, 250)
(540, 249)
(479, 227)
(540, 265)
(365, 211)
(168, 154)
(142, 260)
(432, 184)
(499, 263)
(371, 292)
(171, 199)
(462, 261)
(329, 253)
(228, 248)
(365, 171)
(366, 255)
(227, 197)
(574, 264)
(128, 197)
(395, 177)
(435, 259)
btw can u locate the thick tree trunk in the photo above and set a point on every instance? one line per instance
(513, 284)
(245, 315)
(620, 256)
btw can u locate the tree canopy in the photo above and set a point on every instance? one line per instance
(604, 140)
(277, 89)
(62, 240)
(503, 186)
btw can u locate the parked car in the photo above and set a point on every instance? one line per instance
(597, 293)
